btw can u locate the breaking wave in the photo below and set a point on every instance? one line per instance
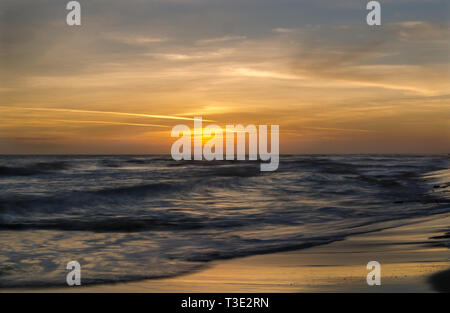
(135, 217)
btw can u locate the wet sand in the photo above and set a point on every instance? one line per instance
(413, 258)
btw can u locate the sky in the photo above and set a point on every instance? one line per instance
(134, 69)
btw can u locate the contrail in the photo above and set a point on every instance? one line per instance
(107, 112)
(107, 123)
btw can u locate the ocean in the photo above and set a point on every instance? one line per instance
(126, 218)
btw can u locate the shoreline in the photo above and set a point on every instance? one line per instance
(413, 258)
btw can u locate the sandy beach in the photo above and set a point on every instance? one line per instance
(413, 258)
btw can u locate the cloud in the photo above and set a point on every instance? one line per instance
(283, 30)
(248, 72)
(133, 39)
(379, 60)
(421, 31)
(220, 39)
